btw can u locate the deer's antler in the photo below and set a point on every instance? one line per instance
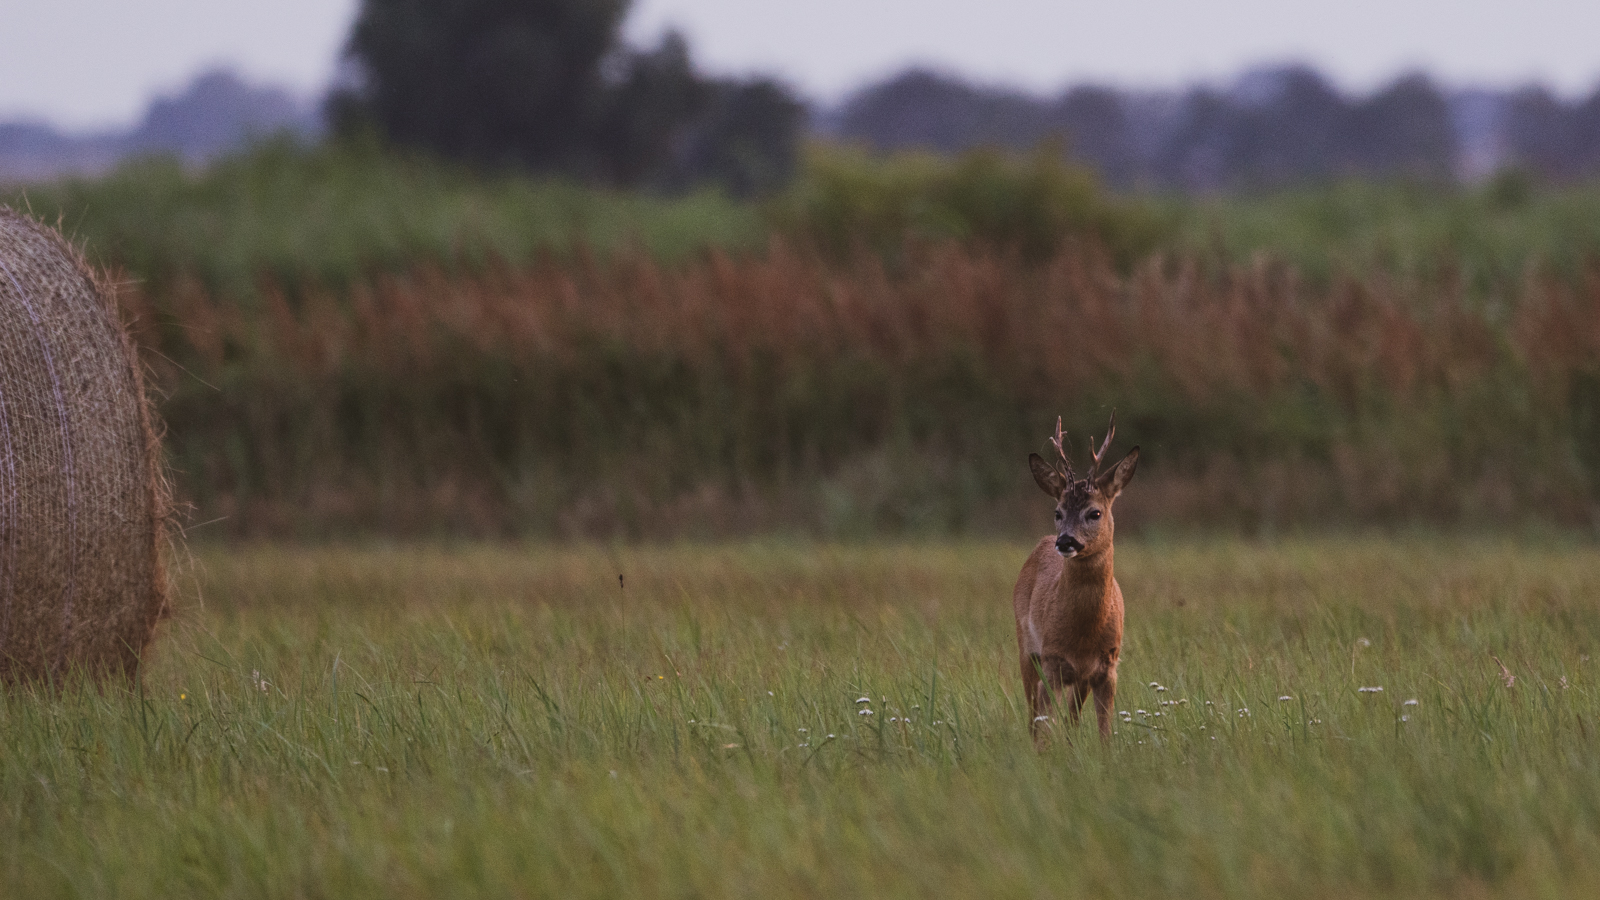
(1060, 443)
(1111, 430)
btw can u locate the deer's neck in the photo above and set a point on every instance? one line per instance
(1085, 586)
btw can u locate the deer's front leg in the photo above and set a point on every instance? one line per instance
(1080, 696)
(1105, 698)
(1056, 674)
(1033, 688)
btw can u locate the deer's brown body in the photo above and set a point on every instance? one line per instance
(1067, 600)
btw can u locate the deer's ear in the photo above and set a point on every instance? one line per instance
(1112, 482)
(1048, 479)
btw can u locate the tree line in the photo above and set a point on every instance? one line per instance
(1272, 127)
(551, 87)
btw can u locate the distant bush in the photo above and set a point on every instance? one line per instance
(848, 199)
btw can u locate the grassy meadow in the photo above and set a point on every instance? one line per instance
(775, 719)
(352, 346)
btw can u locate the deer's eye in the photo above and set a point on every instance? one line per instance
(1058, 515)
(1093, 514)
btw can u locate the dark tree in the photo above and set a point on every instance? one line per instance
(1554, 139)
(1292, 133)
(649, 110)
(1195, 156)
(1586, 134)
(1403, 130)
(747, 138)
(1095, 126)
(547, 85)
(489, 81)
(1539, 132)
(925, 110)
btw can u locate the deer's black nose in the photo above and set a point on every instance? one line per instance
(1066, 543)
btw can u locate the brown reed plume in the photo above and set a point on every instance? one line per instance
(754, 375)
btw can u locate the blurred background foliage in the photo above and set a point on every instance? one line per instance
(535, 281)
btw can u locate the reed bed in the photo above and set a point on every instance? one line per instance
(784, 390)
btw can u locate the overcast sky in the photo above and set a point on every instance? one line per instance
(96, 63)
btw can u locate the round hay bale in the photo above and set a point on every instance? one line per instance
(83, 503)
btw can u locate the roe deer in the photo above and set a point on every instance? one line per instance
(1068, 605)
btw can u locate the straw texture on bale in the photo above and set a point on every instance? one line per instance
(83, 504)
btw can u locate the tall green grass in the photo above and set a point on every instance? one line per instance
(334, 214)
(512, 721)
(1488, 238)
